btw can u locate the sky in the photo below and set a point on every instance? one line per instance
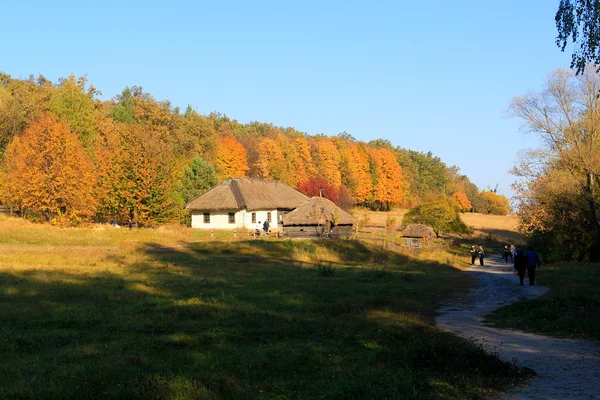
(431, 76)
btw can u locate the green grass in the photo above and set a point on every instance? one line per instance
(169, 314)
(571, 308)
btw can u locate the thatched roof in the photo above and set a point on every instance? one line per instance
(251, 194)
(317, 211)
(418, 231)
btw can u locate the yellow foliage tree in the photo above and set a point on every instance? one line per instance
(47, 174)
(355, 172)
(390, 185)
(327, 159)
(232, 161)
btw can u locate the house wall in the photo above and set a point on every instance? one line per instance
(243, 219)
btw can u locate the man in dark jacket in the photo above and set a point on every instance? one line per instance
(520, 264)
(473, 255)
(533, 261)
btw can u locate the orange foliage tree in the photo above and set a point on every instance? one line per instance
(462, 201)
(47, 174)
(389, 183)
(231, 161)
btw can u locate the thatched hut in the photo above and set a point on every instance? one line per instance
(416, 235)
(317, 217)
(243, 202)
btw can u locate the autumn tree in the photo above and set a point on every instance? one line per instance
(47, 175)
(566, 117)
(270, 163)
(327, 157)
(319, 187)
(72, 101)
(231, 159)
(389, 184)
(462, 201)
(136, 174)
(355, 168)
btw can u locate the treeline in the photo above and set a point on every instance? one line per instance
(68, 157)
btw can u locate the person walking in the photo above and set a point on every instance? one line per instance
(480, 254)
(473, 255)
(513, 252)
(520, 264)
(533, 261)
(266, 227)
(506, 254)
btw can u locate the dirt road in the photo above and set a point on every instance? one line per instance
(566, 369)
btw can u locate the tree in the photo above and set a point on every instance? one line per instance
(566, 117)
(46, 174)
(462, 201)
(354, 166)
(231, 159)
(389, 184)
(136, 176)
(440, 213)
(579, 20)
(317, 187)
(493, 203)
(198, 177)
(73, 102)
(327, 157)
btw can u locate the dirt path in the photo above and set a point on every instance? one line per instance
(566, 369)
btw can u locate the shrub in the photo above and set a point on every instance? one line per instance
(440, 213)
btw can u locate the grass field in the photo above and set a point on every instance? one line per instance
(570, 309)
(172, 313)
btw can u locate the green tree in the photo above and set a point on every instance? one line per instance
(579, 21)
(72, 101)
(440, 213)
(198, 177)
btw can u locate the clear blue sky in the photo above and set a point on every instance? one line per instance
(429, 76)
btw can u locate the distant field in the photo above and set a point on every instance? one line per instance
(172, 313)
(499, 227)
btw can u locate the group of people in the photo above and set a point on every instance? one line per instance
(264, 226)
(527, 261)
(477, 253)
(522, 261)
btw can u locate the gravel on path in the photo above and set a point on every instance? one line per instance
(566, 369)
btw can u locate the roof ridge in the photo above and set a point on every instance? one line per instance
(237, 194)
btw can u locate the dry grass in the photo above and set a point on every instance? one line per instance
(500, 228)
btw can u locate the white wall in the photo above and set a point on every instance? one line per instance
(243, 218)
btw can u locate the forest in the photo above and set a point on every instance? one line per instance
(68, 157)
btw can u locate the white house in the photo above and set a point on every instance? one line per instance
(242, 202)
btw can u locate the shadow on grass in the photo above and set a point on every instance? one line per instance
(186, 324)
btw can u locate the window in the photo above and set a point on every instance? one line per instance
(207, 218)
(253, 218)
(232, 218)
(269, 217)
